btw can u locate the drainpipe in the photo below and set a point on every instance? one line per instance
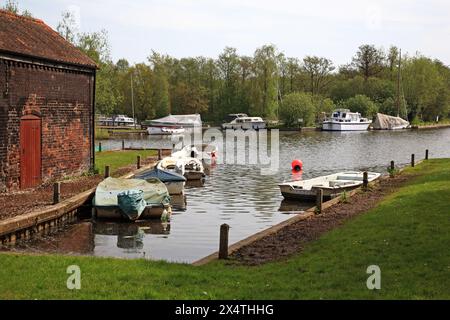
(93, 123)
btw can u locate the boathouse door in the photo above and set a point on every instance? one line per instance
(30, 151)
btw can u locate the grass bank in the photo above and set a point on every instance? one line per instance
(121, 158)
(406, 235)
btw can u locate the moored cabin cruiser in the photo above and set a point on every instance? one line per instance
(245, 123)
(344, 120)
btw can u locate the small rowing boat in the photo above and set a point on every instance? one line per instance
(173, 181)
(332, 185)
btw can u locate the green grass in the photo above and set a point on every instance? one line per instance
(101, 134)
(118, 159)
(407, 235)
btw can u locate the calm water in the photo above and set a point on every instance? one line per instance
(250, 202)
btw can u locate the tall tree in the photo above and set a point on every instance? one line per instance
(160, 99)
(264, 96)
(67, 27)
(228, 65)
(318, 70)
(368, 60)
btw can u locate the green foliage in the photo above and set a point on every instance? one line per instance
(13, 7)
(426, 88)
(362, 104)
(258, 85)
(297, 106)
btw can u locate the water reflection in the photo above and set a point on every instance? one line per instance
(131, 235)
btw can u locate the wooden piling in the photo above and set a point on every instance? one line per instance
(392, 165)
(365, 180)
(123, 144)
(99, 147)
(223, 245)
(106, 171)
(56, 192)
(412, 160)
(138, 162)
(319, 200)
(426, 154)
(159, 154)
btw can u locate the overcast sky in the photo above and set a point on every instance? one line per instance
(333, 29)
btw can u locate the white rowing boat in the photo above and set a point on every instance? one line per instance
(332, 185)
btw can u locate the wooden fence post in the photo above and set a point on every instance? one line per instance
(223, 245)
(99, 147)
(159, 154)
(319, 200)
(138, 164)
(56, 192)
(426, 154)
(365, 180)
(412, 160)
(106, 171)
(392, 165)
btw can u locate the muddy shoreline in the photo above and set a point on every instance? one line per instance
(293, 238)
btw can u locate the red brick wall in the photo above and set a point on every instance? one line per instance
(62, 99)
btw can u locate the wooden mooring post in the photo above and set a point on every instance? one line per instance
(365, 180)
(106, 171)
(56, 192)
(138, 162)
(99, 147)
(223, 244)
(319, 200)
(426, 154)
(392, 165)
(412, 160)
(159, 154)
(123, 144)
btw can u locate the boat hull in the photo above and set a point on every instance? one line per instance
(114, 212)
(345, 126)
(244, 126)
(175, 187)
(194, 175)
(311, 195)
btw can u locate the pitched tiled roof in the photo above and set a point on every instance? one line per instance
(33, 38)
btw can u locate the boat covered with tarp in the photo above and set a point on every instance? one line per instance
(387, 122)
(173, 181)
(131, 199)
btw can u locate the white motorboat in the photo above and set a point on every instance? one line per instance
(245, 123)
(344, 120)
(190, 168)
(171, 164)
(205, 152)
(165, 130)
(332, 185)
(173, 124)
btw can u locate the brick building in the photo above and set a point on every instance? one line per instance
(47, 93)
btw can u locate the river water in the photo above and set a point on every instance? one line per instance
(250, 202)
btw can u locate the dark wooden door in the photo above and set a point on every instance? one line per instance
(30, 151)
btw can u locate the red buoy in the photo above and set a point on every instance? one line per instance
(297, 165)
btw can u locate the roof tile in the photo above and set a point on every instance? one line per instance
(32, 37)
